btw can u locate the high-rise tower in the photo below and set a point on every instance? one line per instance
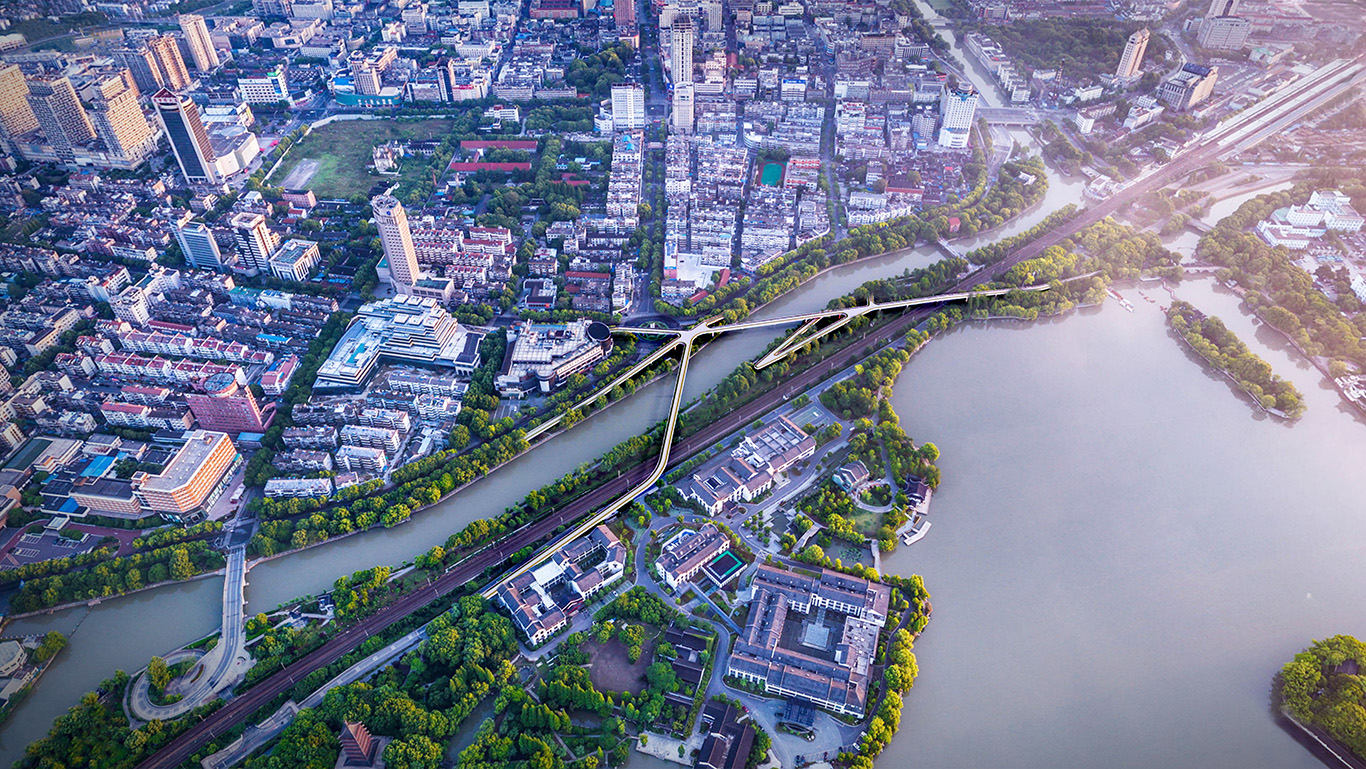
(1132, 60)
(199, 246)
(166, 53)
(16, 116)
(397, 238)
(680, 53)
(180, 118)
(255, 241)
(200, 44)
(60, 114)
(119, 122)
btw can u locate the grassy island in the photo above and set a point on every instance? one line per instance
(1222, 348)
(1322, 687)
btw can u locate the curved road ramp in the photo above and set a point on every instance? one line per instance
(220, 668)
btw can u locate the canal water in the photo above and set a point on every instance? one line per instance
(123, 633)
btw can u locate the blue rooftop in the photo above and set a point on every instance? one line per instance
(98, 467)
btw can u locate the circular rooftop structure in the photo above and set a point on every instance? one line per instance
(598, 331)
(220, 384)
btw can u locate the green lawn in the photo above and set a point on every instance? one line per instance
(867, 522)
(343, 152)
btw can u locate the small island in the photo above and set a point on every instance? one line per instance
(1321, 692)
(1222, 349)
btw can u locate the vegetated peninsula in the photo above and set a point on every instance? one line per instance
(1322, 690)
(1223, 350)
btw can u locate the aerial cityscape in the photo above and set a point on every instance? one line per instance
(732, 384)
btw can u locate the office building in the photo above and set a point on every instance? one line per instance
(189, 141)
(1189, 87)
(199, 246)
(226, 406)
(957, 109)
(1225, 33)
(16, 116)
(680, 52)
(1222, 28)
(683, 108)
(60, 115)
(392, 222)
(166, 53)
(294, 259)
(628, 107)
(119, 122)
(541, 356)
(406, 329)
(255, 242)
(268, 87)
(624, 12)
(193, 479)
(812, 638)
(1131, 62)
(199, 42)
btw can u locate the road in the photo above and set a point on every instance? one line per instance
(223, 665)
(1281, 112)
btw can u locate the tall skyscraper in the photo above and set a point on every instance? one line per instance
(143, 65)
(680, 53)
(16, 116)
(255, 242)
(199, 247)
(180, 119)
(624, 11)
(1132, 60)
(628, 107)
(119, 122)
(60, 115)
(200, 44)
(956, 112)
(397, 238)
(683, 112)
(166, 53)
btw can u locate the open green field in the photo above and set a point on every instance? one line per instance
(342, 153)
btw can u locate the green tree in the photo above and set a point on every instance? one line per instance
(158, 674)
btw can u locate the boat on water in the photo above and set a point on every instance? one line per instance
(916, 533)
(1122, 301)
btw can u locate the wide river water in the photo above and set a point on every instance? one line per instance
(1123, 551)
